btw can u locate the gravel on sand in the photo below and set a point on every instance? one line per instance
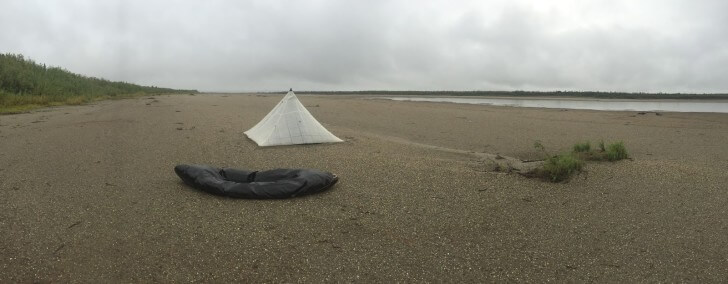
(88, 194)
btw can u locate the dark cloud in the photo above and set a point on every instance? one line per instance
(400, 45)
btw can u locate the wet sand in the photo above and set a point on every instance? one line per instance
(88, 194)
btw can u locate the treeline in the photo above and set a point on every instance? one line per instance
(19, 75)
(25, 82)
(588, 94)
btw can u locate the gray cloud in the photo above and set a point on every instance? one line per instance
(671, 46)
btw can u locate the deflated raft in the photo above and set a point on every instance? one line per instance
(278, 183)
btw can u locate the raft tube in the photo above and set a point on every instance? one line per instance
(273, 184)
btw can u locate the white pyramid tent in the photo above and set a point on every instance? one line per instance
(289, 123)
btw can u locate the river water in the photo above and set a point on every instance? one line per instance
(719, 106)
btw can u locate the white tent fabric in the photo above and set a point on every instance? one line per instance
(289, 123)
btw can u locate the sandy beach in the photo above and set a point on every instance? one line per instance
(88, 194)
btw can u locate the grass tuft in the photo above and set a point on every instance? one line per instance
(616, 151)
(561, 167)
(582, 147)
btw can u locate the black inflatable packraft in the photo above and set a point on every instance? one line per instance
(278, 183)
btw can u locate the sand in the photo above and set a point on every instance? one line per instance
(88, 194)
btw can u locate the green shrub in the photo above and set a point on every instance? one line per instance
(561, 167)
(582, 147)
(612, 152)
(616, 151)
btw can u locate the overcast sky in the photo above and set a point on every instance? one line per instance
(622, 45)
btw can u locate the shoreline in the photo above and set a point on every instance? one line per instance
(641, 106)
(562, 98)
